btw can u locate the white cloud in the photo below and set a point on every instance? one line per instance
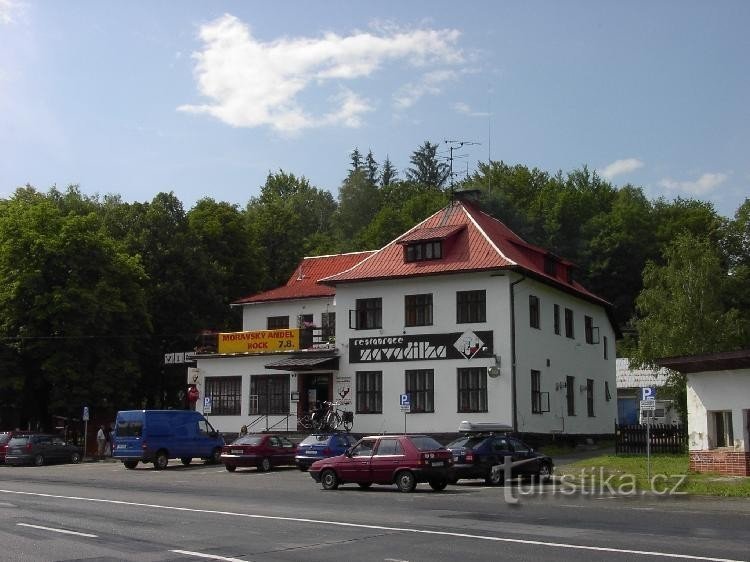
(430, 83)
(703, 185)
(8, 11)
(465, 109)
(253, 84)
(619, 167)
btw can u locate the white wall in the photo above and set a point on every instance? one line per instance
(557, 356)
(717, 391)
(254, 315)
(534, 347)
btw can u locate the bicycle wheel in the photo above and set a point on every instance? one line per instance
(348, 424)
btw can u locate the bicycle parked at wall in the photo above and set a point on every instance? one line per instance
(328, 418)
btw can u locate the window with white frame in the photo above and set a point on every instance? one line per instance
(722, 434)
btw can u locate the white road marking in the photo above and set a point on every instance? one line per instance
(209, 556)
(63, 531)
(379, 527)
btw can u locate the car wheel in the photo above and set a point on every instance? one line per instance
(438, 485)
(75, 458)
(545, 472)
(230, 467)
(495, 477)
(39, 460)
(215, 457)
(186, 460)
(265, 465)
(365, 485)
(130, 465)
(405, 481)
(161, 461)
(329, 480)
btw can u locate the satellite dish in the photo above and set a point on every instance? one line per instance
(493, 371)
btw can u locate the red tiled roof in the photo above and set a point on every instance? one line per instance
(304, 281)
(475, 241)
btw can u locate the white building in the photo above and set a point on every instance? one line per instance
(718, 404)
(630, 381)
(459, 313)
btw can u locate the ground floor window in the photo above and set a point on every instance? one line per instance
(472, 389)
(369, 392)
(421, 390)
(722, 428)
(269, 394)
(225, 394)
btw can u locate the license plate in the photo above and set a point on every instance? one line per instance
(311, 453)
(437, 463)
(455, 459)
(237, 451)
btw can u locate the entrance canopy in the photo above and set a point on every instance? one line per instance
(314, 363)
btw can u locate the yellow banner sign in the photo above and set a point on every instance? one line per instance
(259, 341)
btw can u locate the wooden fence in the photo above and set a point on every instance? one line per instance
(631, 439)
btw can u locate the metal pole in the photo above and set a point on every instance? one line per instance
(648, 447)
(85, 435)
(404, 422)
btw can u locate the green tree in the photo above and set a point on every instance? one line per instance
(426, 167)
(359, 201)
(371, 169)
(289, 220)
(681, 310)
(389, 174)
(72, 306)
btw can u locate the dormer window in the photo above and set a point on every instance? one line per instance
(422, 251)
(550, 265)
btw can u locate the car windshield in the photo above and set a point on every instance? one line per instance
(424, 443)
(467, 442)
(15, 441)
(315, 439)
(248, 440)
(4, 438)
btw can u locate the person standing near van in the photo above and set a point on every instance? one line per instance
(101, 441)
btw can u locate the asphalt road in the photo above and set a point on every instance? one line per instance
(102, 512)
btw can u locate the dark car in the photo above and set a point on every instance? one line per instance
(40, 449)
(481, 454)
(404, 460)
(320, 446)
(260, 451)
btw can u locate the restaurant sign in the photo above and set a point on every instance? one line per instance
(259, 341)
(420, 347)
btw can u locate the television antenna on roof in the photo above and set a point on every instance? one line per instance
(454, 145)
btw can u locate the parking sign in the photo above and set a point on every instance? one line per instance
(206, 404)
(85, 416)
(648, 393)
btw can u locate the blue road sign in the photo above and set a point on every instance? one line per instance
(405, 400)
(648, 393)
(85, 416)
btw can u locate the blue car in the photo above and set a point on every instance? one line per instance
(321, 446)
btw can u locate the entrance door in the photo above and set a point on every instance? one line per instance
(315, 388)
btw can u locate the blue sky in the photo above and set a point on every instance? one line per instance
(205, 98)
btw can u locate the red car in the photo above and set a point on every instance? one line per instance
(260, 451)
(404, 460)
(5, 437)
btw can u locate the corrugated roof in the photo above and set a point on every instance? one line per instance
(297, 363)
(638, 378)
(437, 233)
(304, 281)
(480, 243)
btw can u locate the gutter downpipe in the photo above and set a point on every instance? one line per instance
(513, 349)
